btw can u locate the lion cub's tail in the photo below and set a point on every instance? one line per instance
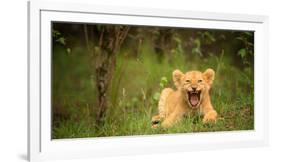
(162, 101)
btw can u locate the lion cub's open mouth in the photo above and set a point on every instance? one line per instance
(194, 98)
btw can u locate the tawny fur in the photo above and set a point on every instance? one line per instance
(174, 104)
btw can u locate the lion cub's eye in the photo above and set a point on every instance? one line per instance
(200, 81)
(187, 81)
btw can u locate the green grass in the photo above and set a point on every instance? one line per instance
(131, 102)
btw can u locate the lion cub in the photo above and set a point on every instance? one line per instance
(192, 94)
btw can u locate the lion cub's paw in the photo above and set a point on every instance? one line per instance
(210, 117)
(155, 121)
(154, 126)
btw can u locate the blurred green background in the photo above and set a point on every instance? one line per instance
(141, 67)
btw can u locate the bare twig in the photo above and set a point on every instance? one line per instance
(87, 37)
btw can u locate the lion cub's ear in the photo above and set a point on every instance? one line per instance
(177, 75)
(209, 76)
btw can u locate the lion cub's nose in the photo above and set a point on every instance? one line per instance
(194, 88)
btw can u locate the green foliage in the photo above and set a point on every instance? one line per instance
(178, 50)
(163, 82)
(196, 50)
(247, 51)
(68, 50)
(156, 96)
(56, 34)
(202, 38)
(242, 52)
(60, 39)
(207, 37)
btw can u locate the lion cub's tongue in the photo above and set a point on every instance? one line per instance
(194, 99)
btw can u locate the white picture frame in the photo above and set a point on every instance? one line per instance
(42, 147)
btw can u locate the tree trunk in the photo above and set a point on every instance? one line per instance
(111, 39)
(103, 77)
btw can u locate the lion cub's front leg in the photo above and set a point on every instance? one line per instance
(173, 118)
(161, 108)
(210, 114)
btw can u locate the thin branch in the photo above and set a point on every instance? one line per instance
(101, 37)
(125, 33)
(87, 37)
